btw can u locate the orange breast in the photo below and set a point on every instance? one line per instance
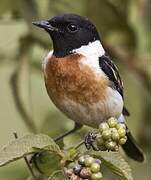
(65, 77)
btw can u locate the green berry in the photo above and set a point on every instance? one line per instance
(88, 161)
(107, 145)
(120, 125)
(121, 132)
(115, 136)
(95, 167)
(100, 141)
(106, 134)
(113, 130)
(103, 126)
(123, 140)
(96, 176)
(111, 145)
(112, 122)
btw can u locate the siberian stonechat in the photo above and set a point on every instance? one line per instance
(81, 79)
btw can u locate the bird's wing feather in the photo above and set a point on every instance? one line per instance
(112, 73)
(110, 69)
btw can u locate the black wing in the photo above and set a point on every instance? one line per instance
(110, 69)
(112, 73)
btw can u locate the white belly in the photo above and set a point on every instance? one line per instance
(94, 114)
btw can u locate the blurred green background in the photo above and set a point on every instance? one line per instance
(125, 29)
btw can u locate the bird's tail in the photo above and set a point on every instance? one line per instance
(132, 149)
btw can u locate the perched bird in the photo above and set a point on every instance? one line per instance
(81, 79)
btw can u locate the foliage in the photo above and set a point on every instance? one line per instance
(26, 145)
(33, 144)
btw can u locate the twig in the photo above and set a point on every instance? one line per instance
(26, 160)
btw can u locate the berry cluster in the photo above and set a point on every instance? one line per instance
(111, 135)
(87, 168)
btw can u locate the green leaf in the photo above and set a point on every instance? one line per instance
(58, 175)
(47, 162)
(25, 145)
(72, 140)
(115, 162)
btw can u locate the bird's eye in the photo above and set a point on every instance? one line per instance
(72, 28)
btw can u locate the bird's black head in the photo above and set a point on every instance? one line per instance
(69, 32)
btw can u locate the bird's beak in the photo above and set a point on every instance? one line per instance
(45, 25)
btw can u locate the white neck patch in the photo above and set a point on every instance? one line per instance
(93, 48)
(91, 53)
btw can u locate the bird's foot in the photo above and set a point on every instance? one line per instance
(90, 141)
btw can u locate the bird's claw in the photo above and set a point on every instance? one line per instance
(90, 141)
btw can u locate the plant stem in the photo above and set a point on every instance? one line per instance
(26, 160)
